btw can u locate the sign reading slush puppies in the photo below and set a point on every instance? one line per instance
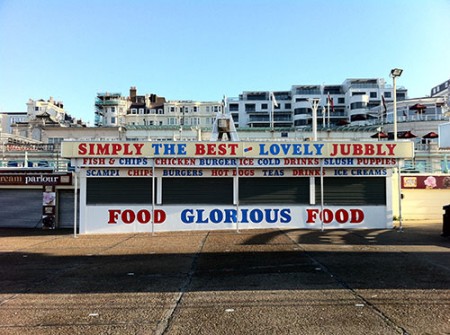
(238, 149)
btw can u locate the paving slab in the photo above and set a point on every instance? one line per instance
(226, 282)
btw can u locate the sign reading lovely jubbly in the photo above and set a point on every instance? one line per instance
(238, 149)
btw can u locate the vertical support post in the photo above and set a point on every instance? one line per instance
(75, 204)
(321, 195)
(400, 219)
(314, 105)
(153, 197)
(394, 78)
(237, 194)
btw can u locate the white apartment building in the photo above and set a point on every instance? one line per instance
(54, 109)
(9, 118)
(348, 103)
(141, 111)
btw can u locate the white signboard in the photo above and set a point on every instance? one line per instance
(131, 219)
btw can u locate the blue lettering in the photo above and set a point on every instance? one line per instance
(256, 215)
(216, 216)
(285, 215)
(318, 148)
(185, 218)
(230, 216)
(156, 147)
(269, 219)
(200, 216)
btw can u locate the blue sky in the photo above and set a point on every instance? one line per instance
(204, 49)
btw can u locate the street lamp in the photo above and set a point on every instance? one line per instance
(394, 74)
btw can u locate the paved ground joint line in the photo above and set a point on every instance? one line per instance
(165, 324)
(346, 286)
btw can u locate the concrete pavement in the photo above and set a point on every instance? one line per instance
(223, 282)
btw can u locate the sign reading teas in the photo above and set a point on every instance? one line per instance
(238, 149)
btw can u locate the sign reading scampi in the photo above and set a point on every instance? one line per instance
(173, 186)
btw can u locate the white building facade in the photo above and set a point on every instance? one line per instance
(348, 103)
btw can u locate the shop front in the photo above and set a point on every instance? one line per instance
(128, 187)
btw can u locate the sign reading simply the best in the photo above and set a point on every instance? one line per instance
(237, 149)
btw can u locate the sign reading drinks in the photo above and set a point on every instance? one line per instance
(238, 149)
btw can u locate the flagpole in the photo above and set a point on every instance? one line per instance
(328, 107)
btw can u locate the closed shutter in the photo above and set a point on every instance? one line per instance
(213, 191)
(273, 191)
(66, 208)
(101, 191)
(352, 191)
(20, 208)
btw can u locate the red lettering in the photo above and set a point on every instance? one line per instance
(116, 147)
(327, 215)
(200, 149)
(102, 149)
(357, 149)
(311, 215)
(233, 148)
(222, 149)
(357, 216)
(128, 216)
(211, 149)
(138, 148)
(159, 216)
(143, 216)
(82, 150)
(370, 150)
(391, 148)
(341, 215)
(113, 215)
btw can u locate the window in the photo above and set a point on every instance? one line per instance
(387, 95)
(172, 109)
(273, 191)
(352, 191)
(250, 107)
(287, 106)
(113, 109)
(214, 191)
(216, 109)
(373, 94)
(118, 191)
(133, 111)
(341, 100)
(141, 110)
(113, 120)
(234, 107)
(263, 106)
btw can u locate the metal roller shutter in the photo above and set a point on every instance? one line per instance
(20, 208)
(66, 208)
(119, 191)
(352, 191)
(212, 191)
(273, 191)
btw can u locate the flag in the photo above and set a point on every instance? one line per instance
(384, 106)
(275, 103)
(330, 102)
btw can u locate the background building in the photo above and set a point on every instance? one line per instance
(348, 103)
